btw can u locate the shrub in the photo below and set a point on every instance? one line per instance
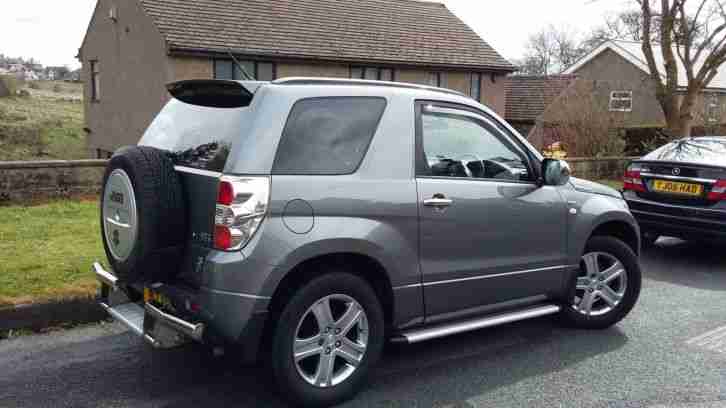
(582, 122)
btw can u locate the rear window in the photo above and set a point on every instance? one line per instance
(707, 151)
(328, 136)
(197, 136)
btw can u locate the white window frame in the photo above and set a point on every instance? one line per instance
(614, 98)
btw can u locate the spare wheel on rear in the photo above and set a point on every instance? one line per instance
(143, 215)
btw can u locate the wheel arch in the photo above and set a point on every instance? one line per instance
(362, 265)
(621, 230)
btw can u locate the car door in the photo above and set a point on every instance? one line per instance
(489, 234)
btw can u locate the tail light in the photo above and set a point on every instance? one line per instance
(718, 192)
(632, 180)
(241, 206)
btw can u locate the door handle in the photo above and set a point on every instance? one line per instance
(439, 201)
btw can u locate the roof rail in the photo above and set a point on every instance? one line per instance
(349, 82)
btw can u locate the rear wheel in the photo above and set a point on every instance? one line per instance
(606, 287)
(327, 338)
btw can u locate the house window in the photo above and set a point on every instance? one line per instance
(621, 101)
(475, 86)
(228, 69)
(713, 109)
(95, 81)
(437, 79)
(371, 73)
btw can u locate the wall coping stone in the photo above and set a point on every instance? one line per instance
(21, 165)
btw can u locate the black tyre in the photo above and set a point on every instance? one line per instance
(143, 214)
(606, 287)
(327, 338)
(648, 239)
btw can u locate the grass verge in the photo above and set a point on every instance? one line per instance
(47, 251)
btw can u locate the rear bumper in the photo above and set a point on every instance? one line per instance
(204, 316)
(679, 221)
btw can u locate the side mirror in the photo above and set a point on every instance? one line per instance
(555, 172)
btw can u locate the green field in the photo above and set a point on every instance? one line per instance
(46, 124)
(47, 251)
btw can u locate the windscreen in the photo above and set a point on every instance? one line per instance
(197, 136)
(707, 151)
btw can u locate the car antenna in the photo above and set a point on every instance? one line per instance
(241, 68)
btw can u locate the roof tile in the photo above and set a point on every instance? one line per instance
(385, 31)
(528, 96)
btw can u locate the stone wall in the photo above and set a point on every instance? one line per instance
(605, 168)
(27, 181)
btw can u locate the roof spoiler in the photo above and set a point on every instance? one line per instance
(212, 93)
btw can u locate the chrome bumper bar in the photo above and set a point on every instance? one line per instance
(166, 328)
(104, 276)
(194, 331)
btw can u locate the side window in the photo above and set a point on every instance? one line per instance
(465, 147)
(328, 136)
(228, 69)
(95, 81)
(621, 101)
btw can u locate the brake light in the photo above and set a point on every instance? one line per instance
(241, 206)
(226, 193)
(718, 192)
(632, 180)
(222, 237)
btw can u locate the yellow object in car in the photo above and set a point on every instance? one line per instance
(157, 299)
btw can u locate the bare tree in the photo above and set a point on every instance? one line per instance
(550, 51)
(698, 41)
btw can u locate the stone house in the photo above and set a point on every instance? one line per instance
(134, 47)
(619, 72)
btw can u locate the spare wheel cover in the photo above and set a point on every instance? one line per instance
(119, 215)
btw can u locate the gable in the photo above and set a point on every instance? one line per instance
(632, 52)
(611, 66)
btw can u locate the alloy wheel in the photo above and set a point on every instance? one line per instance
(601, 284)
(330, 340)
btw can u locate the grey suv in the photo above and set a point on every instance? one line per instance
(306, 222)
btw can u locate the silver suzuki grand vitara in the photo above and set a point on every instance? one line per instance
(306, 222)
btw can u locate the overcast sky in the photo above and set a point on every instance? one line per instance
(52, 30)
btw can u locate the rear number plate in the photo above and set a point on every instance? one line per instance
(674, 187)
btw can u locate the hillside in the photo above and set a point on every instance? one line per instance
(46, 124)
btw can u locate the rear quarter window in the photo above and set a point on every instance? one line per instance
(328, 136)
(196, 136)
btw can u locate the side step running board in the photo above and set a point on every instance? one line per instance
(448, 329)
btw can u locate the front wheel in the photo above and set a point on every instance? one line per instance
(648, 239)
(606, 287)
(327, 338)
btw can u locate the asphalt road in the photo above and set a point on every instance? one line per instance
(654, 358)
